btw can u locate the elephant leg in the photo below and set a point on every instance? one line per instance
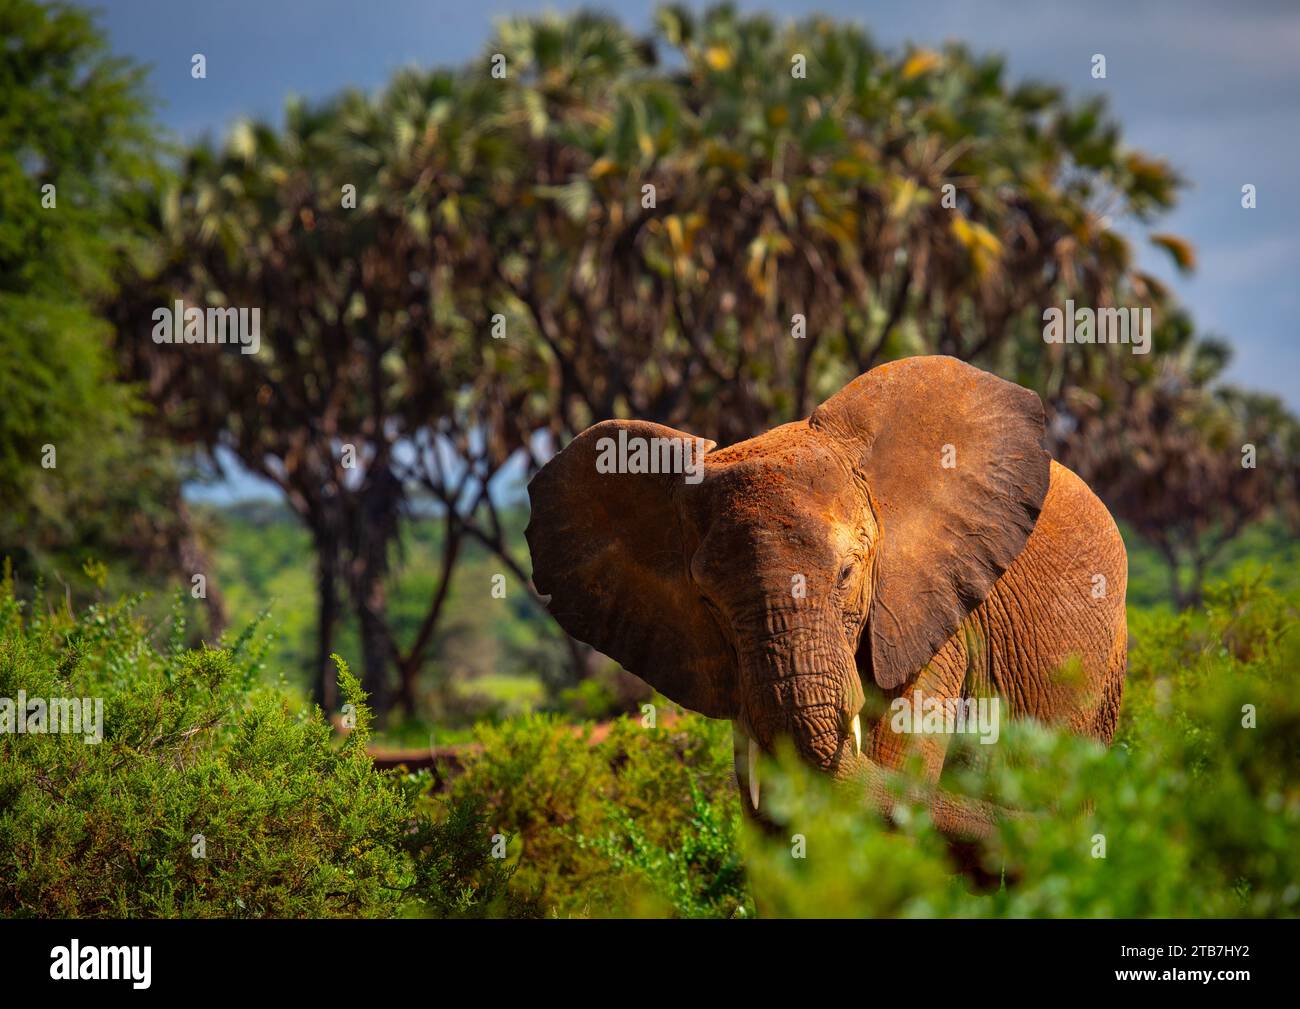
(890, 751)
(956, 817)
(941, 680)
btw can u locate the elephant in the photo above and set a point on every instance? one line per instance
(911, 537)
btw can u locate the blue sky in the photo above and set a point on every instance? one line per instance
(1212, 87)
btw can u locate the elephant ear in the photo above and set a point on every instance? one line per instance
(954, 461)
(608, 548)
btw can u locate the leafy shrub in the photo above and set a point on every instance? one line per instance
(457, 875)
(291, 824)
(643, 822)
(696, 874)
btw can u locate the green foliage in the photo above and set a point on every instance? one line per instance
(1148, 572)
(643, 822)
(292, 825)
(458, 876)
(73, 118)
(696, 874)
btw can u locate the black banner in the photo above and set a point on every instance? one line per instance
(332, 958)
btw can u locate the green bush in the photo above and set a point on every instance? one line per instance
(644, 822)
(291, 824)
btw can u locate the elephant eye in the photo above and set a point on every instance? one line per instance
(846, 573)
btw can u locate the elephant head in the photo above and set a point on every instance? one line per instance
(770, 583)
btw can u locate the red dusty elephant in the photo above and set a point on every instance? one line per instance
(912, 535)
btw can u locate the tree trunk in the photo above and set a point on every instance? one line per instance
(1181, 598)
(404, 699)
(1196, 587)
(373, 527)
(325, 687)
(409, 665)
(372, 605)
(194, 559)
(1187, 595)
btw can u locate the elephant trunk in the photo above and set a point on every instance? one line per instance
(799, 680)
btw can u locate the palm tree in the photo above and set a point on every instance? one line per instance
(779, 195)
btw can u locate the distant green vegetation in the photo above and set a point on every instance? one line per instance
(490, 657)
(77, 148)
(1264, 543)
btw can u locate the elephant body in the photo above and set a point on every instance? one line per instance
(1050, 640)
(911, 535)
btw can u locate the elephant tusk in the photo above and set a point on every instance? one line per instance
(753, 773)
(745, 754)
(857, 733)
